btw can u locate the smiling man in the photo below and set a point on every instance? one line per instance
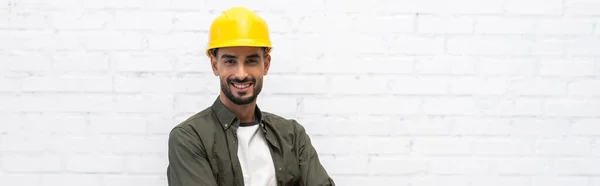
(232, 142)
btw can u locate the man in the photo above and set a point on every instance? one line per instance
(233, 142)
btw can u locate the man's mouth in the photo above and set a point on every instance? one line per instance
(241, 85)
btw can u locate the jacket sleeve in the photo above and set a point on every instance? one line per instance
(188, 162)
(312, 171)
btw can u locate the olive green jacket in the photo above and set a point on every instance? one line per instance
(202, 151)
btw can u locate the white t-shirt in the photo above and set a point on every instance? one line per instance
(255, 157)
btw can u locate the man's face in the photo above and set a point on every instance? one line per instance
(241, 71)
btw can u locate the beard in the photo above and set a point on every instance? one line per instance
(239, 100)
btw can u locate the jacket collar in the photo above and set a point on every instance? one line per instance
(227, 118)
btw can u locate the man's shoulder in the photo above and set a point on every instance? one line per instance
(283, 124)
(201, 120)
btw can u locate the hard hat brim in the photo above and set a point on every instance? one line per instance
(239, 43)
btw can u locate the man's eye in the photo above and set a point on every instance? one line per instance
(229, 61)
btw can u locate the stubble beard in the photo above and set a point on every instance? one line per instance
(225, 88)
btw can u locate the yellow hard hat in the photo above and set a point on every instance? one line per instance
(238, 26)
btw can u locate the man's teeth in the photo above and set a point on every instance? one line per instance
(241, 85)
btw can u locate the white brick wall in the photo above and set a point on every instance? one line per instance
(458, 93)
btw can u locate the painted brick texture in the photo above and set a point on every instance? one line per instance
(399, 93)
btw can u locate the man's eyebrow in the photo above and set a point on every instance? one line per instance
(253, 56)
(228, 56)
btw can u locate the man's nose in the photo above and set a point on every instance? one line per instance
(241, 71)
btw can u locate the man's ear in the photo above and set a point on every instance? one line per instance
(213, 65)
(267, 63)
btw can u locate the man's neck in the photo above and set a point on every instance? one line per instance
(244, 112)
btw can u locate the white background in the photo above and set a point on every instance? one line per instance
(402, 92)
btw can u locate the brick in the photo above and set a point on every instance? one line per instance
(548, 47)
(58, 102)
(22, 19)
(503, 25)
(12, 124)
(459, 166)
(376, 65)
(369, 105)
(584, 87)
(103, 124)
(89, 163)
(143, 62)
(567, 67)
(189, 5)
(502, 180)
(417, 45)
(352, 164)
(487, 45)
(43, 162)
(565, 108)
(445, 25)
(506, 66)
(75, 83)
(61, 123)
(538, 87)
(163, 84)
(142, 20)
(450, 180)
(71, 179)
(377, 45)
(396, 165)
(358, 180)
(192, 21)
(194, 64)
(576, 167)
(445, 65)
(324, 125)
(564, 27)
(193, 103)
(479, 86)
(370, 24)
(280, 105)
(19, 143)
(479, 126)
(449, 106)
(286, 84)
(357, 85)
(441, 146)
(24, 61)
(421, 126)
(125, 180)
(137, 144)
(145, 103)
(585, 126)
(505, 107)
(91, 4)
(582, 7)
(181, 42)
(80, 61)
(565, 147)
(404, 85)
(113, 40)
(503, 147)
(21, 179)
(520, 166)
(534, 7)
(444, 7)
(146, 164)
(79, 20)
(540, 127)
(360, 145)
(558, 181)
(10, 84)
(582, 47)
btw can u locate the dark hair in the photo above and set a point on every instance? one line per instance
(214, 50)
